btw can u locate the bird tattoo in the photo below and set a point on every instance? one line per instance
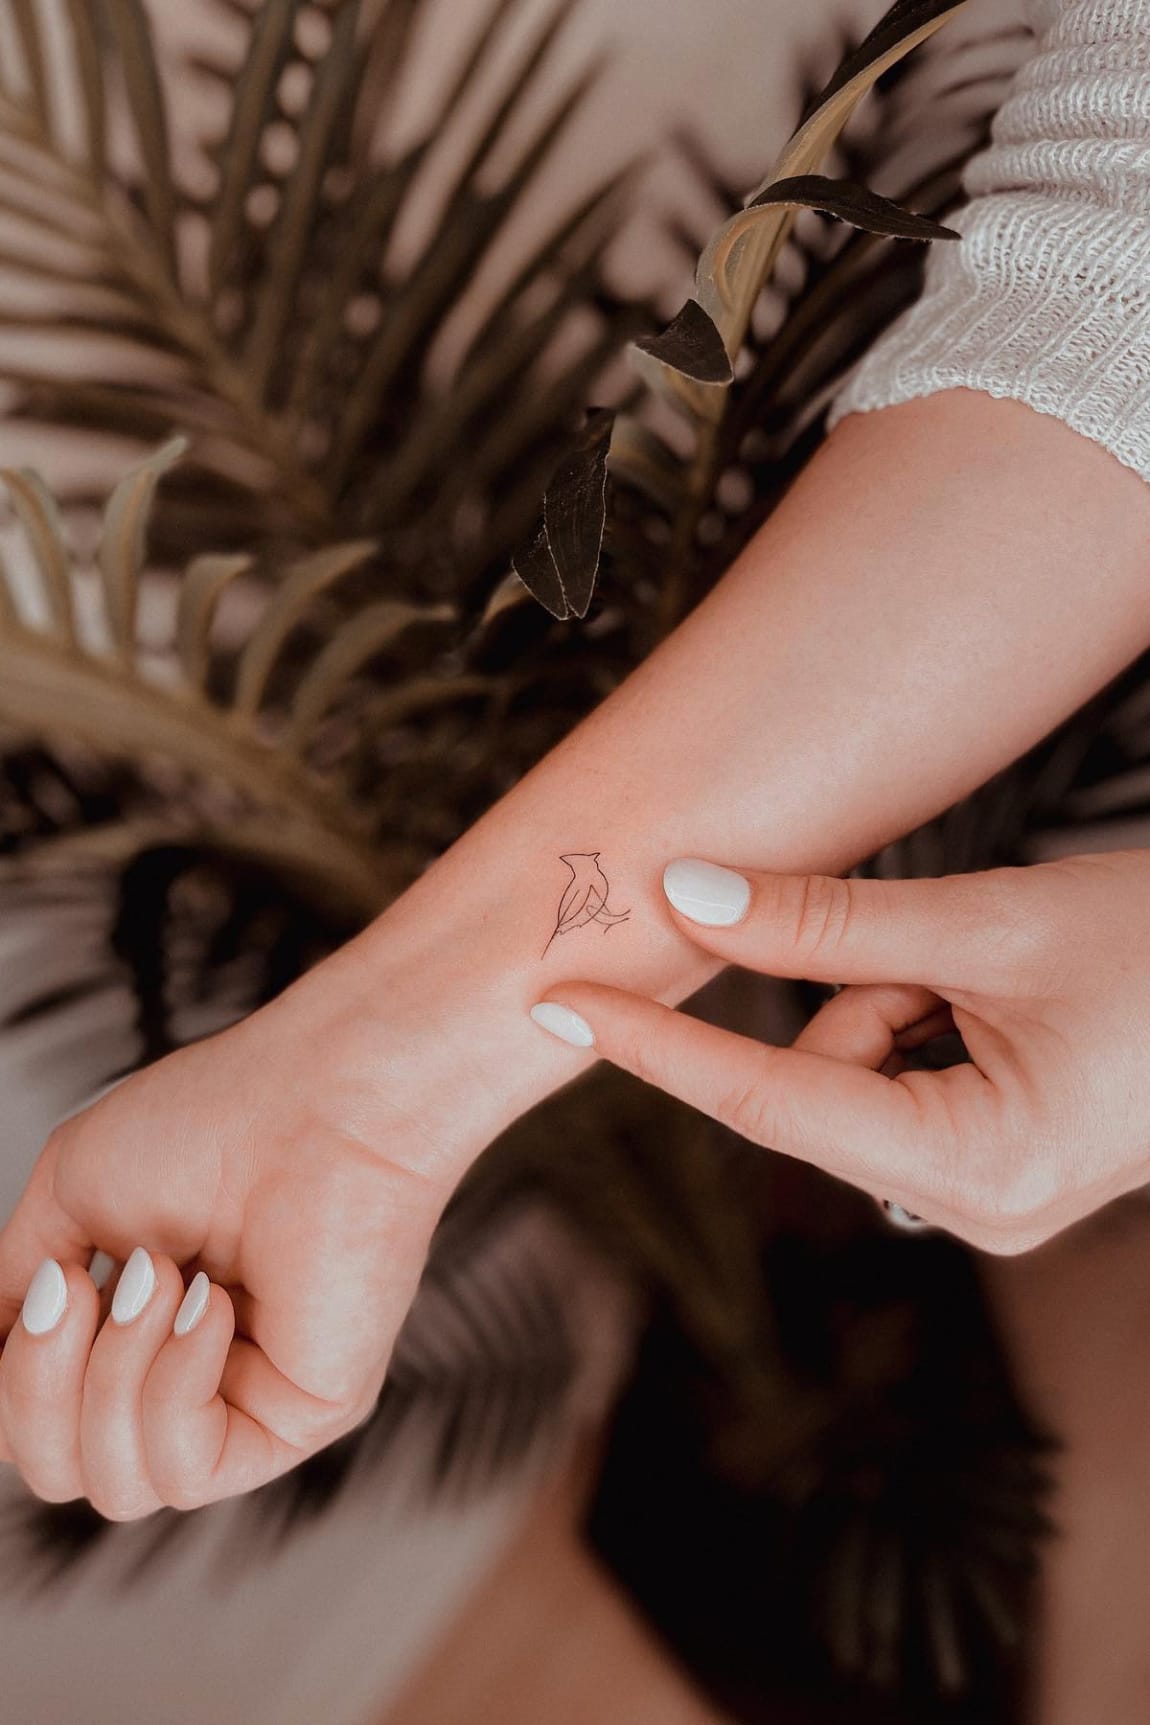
(584, 897)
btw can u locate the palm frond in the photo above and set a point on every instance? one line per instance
(107, 698)
(301, 353)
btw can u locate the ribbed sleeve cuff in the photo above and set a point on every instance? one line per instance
(1043, 300)
(1046, 296)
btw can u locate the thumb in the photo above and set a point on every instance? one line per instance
(956, 931)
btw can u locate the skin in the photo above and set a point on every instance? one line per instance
(811, 708)
(1039, 970)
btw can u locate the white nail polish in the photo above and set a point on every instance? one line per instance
(562, 1022)
(705, 892)
(46, 1299)
(134, 1289)
(193, 1305)
(101, 1267)
(899, 1217)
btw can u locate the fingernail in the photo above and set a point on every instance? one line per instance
(562, 1022)
(46, 1299)
(193, 1305)
(705, 892)
(134, 1289)
(902, 1218)
(101, 1267)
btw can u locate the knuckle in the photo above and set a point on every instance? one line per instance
(357, 1409)
(63, 1142)
(180, 1495)
(49, 1489)
(821, 914)
(60, 1137)
(362, 1415)
(745, 1110)
(327, 1424)
(161, 1388)
(113, 1507)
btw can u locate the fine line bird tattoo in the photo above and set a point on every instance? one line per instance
(584, 897)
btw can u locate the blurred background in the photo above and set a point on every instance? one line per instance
(522, 1581)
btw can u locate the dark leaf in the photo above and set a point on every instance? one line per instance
(561, 562)
(691, 345)
(535, 567)
(900, 22)
(575, 511)
(855, 204)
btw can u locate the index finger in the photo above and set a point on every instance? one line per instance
(849, 1121)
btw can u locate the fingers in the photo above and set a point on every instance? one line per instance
(42, 1380)
(869, 1026)
(134, 1412)
(160, 1404)
(959, 931)
(114, 1457)
(843, 1118)
(949, 1146)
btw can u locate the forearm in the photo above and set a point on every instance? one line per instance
(947, 580)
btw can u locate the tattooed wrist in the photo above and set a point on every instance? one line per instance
(584, 898)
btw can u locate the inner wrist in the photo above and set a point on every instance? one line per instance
(432, 1002)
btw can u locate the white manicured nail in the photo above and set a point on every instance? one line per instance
(46, 1299)
(101, 1267)
(562, 1022)
(705, 892)
(193, 1305)
(134, 1289)
(903, 1218)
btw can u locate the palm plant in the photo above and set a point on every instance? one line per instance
(219, 718)
(295, 666)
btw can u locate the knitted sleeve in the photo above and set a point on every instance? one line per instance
(1046, 296)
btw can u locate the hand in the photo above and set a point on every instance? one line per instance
(1044, 972)
(290, 1162)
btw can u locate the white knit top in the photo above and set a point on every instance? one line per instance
(1046, 297)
